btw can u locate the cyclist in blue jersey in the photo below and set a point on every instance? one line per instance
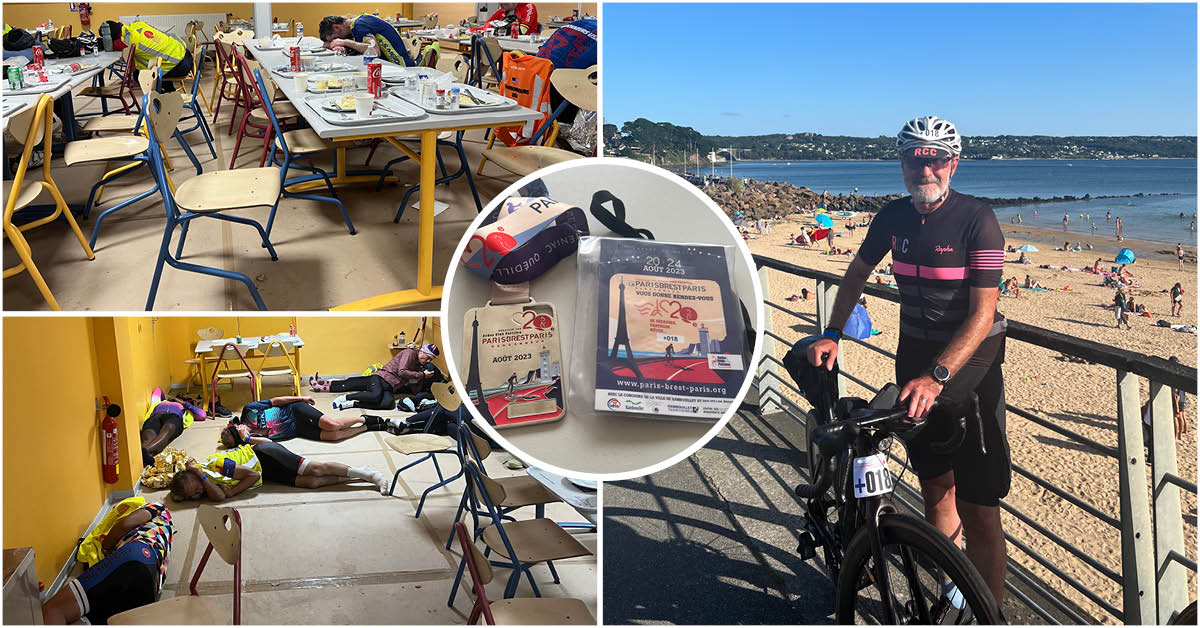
(947, 257)
(349, 34)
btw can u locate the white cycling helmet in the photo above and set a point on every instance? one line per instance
(929, 136)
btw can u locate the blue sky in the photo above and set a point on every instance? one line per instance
(862, 69)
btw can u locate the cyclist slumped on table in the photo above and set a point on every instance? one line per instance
(947, 257)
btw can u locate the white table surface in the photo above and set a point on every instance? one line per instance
(248, 343)
(23, 102)
(508, 43)
(584, 502)
(272, 58)
(585, 441)
(405, 23)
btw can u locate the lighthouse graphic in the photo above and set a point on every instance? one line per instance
(544, 366)
(703, 340)
(621, 339)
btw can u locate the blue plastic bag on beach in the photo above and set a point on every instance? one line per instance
(859, 324)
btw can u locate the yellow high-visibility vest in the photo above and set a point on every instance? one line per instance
(149, 42)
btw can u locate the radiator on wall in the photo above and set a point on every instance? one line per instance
(176, 24)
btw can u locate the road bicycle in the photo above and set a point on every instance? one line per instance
(889, 566)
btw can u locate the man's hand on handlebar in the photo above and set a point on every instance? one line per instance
(823, 353)
(920, 394)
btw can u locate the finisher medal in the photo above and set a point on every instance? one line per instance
(515, 364)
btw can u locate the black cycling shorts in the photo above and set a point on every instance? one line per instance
(979, 479)
(307, 418)
(156, 422)
(279, 464)
(125, 579)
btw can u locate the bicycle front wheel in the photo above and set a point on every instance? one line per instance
(929, 580)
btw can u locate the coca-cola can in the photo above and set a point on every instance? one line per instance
(42, 77)
(294, 58)
(39, 58)
(375, 79)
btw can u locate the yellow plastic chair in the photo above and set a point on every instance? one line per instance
(279, 349)
(36, 125)
(223, 527)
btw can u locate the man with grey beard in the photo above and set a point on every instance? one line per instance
(947, 256)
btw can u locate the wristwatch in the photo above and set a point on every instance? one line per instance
(833, 333)
(940, 374)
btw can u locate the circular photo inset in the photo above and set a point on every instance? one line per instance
(601, 319)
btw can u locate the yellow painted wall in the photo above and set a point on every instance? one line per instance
(30, 14)
(452, 12)
(141, 355)
(53, 485)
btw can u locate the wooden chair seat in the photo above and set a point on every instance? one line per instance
(104, 148)
(577, 86)
(182, 610)
(123, 122)
(98, 91)
(233, 374)
(535, 541)
(281, 370)
(283, 110)
(229, 189)
(29, 191)
(524, 490)
(408, 444)
(545, 611)
(304, 141)
(525, 160)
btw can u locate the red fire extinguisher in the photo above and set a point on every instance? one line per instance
(85, 14)
(108, 436)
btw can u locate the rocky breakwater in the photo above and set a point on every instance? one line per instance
(770, 199)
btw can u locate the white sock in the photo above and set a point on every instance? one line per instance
(340, 400)
(401, 425)
(363, 473)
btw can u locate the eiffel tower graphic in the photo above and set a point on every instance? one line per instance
(622, 339)
(473, 383)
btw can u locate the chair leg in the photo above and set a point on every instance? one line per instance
(374, 145)
(158, 268)
(483, 158)
(182, 237)
(529, 574)
(462, 566)
(118, 206)
(24, 253)
(462, 157)
(238, 144)
(61, 206)
(262, 161)
(187, 149)
(553, 571)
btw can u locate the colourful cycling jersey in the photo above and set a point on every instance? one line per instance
(267, 419)
(156, 533)
(220, 466)
(937, 258)
(387, 38)
(572, 46)
(525, 14)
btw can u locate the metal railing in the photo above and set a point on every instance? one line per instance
(1152, 574)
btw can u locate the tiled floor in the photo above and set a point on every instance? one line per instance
(346, 554)
(320, 264)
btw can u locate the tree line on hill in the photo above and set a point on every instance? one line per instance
(669, 143)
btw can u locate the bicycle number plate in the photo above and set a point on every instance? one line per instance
(871, 476)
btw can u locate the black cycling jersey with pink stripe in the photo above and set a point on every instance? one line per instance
(936, 259)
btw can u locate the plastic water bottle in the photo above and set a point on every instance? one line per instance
(299, 31)
(371, 53)
(50, 25)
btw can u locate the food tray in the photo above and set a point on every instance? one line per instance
(495, 102)
(378, 116)
(312, 85)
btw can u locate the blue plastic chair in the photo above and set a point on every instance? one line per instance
(304, 142)
(204, 196)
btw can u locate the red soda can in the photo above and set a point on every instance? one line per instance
(294, 58)
(39, 59)
(375, 79)
(42, 78)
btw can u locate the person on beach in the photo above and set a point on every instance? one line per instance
(1176, 299)
(948, 253)
(1033, 283)
(1011, 288)
(1066, 220)
(1119, 225)
(1108, 216)
(1119, 303)
(1096, 265)
(1179, 252)
(1179, 403)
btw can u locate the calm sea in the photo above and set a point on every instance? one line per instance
(1152, 217)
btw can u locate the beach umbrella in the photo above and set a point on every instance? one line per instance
(824, 220)
(1027, 248)
(1124, 256)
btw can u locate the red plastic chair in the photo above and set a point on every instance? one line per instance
(254, 116)
(222, 356)
(122, 91)
(226, 79)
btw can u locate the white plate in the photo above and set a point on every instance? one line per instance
(331, 104)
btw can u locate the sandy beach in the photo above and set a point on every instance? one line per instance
(1078, 397)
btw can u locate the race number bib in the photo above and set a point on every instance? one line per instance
(514, 363)
(871, 476)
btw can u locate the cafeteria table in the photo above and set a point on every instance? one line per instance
(427, 128)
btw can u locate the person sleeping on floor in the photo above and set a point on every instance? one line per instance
(284, 418)
(246, 466)
(165, 421)
(130, 574)
(408, 374)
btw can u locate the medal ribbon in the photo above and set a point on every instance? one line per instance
(523, 238)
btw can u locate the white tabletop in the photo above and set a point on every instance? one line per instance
(272, 58)
(64, 83)
(248, 343)
(19, 103)
(584, 440)
(524, 45)
(584, 501)
(405, 23)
